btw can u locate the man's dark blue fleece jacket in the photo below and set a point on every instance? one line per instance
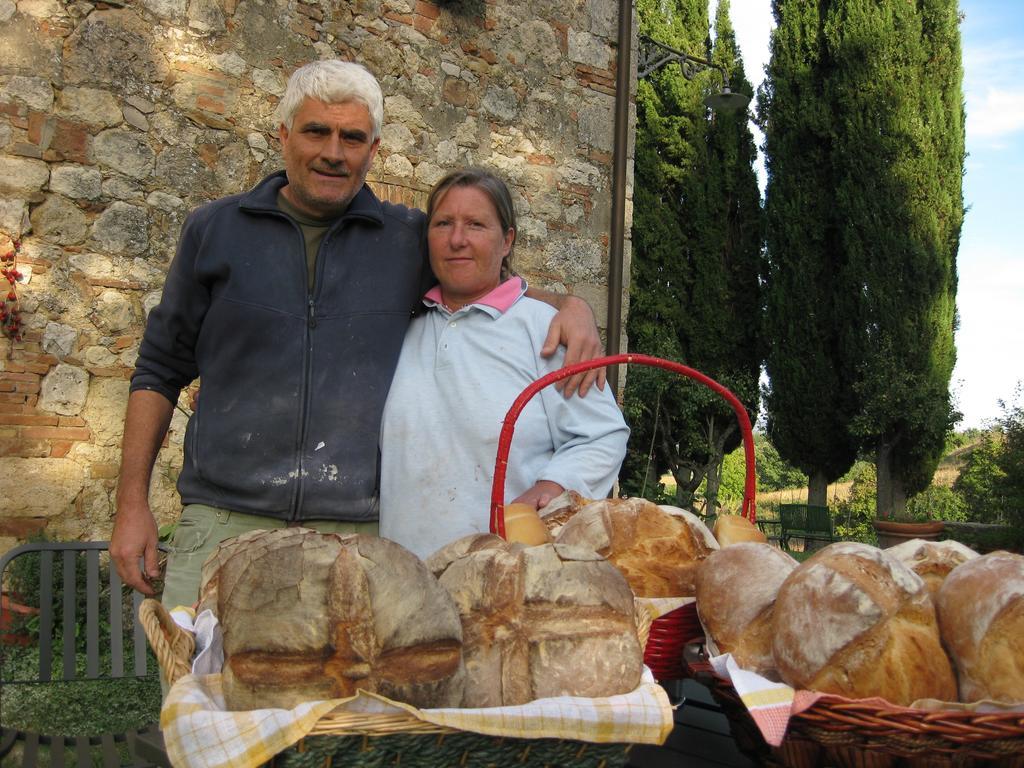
(292, 384)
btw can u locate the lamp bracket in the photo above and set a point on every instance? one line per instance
(654, 55)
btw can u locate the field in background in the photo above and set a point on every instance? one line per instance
(945, 475)
(836, 492)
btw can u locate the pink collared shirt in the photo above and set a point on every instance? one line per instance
(501, 298)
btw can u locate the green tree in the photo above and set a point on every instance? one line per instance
(696, 251)
(734, 475)
(854, 514)
(668, 116)
(773, 472)
(724, 223)
(1011, 462)
(864, 126)
(981, 475)
(807, 401)
(897, 161)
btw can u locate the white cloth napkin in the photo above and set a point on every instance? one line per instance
(209, 654)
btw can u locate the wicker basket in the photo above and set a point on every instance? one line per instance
(853, 734)
(343, 739)
(663, 652)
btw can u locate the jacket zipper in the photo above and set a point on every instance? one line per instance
(307, 375)
(307, 341)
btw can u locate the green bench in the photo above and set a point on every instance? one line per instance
(805, 521)
(112, 648)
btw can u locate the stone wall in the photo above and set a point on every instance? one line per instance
(116, 118)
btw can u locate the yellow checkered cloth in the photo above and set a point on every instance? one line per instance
(770, 704)
(199, 733)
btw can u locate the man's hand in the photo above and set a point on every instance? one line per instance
(574, 327)
(135, 533)
(135, 538)
(542, 492)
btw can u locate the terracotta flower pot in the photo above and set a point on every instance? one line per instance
(892, 532)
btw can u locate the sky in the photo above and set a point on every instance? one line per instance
(990, 294)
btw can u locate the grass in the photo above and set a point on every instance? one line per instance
(81, 707)
(73, 709)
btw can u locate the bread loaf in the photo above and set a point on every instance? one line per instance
(523, 525)
(981, 616)
(855, 622)
(560, 509)
(736, 591)
(543, 621)
(931, 560)
(656, 548)
(213, 570)
(315, 616)
(732, 529)
(453, 550)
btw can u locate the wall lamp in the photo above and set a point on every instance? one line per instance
(655, 55)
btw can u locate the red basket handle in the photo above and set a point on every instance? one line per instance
(508, 426)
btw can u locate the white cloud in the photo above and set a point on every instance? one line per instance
(998, 61)
(989, 295)
(995, 113)
(993, 61)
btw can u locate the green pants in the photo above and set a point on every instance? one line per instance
(202, 528)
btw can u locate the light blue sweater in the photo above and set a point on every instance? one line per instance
(457, 376)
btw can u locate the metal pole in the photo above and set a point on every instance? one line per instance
(618, 224)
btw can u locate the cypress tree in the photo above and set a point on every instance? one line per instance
(723, 218)
(865, 137)
(808, 402)
(669, 116)
(898, 163)
(696, 251)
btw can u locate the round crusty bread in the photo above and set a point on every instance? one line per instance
(855, 622)
(656, 548)
(309, 616)
(543, 621)
(453, 550)
(560, 509)
(736, 590)
(733, 529)
(213, 570)
(981, 616)
(931, 560)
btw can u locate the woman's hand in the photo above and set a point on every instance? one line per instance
(542, 492)
(574, 326)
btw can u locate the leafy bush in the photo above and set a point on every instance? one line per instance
(76, 707)
(1011, 463)
(734, 476)
(855, 515)
(937, 502)
(25, 584)
(980, 480)
(773, 472)
(988, 539)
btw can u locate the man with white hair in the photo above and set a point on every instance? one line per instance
(290, 303)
